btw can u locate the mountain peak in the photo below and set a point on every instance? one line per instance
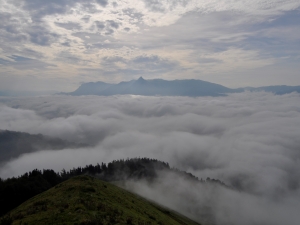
(141, 79)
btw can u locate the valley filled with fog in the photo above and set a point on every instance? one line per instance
(249, 141)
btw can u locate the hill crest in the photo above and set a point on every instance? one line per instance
(85, 200)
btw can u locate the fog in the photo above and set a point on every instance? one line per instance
(250, 141)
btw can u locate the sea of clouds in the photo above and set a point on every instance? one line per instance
(250, 141)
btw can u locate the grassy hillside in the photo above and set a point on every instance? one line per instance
(14, 191)
(84, 200)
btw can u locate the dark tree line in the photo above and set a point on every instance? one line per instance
(136, 168)
(16, 190)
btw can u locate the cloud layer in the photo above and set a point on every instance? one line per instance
(249, 140)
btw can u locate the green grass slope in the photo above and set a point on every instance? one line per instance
(84, 200)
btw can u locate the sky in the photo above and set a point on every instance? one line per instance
(250, 141)
(56, 45)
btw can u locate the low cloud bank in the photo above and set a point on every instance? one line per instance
(248, 140)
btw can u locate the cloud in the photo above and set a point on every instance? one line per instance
(248, 140)
(113, 24)
(102, 2)
(213, 204)
(86, 18)
(140, 65)
(22, 63)
(100, 25)
(69, 57)
(69, 25)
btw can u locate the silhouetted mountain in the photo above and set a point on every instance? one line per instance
(14, 144)
(153, 87)
(161, 87)
(92, 88)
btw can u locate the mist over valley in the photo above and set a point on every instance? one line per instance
(247, 140)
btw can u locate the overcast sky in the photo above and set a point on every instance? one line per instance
(58, 44)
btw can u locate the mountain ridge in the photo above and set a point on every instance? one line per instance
(85, 200)
(160, 87)
(14, 191)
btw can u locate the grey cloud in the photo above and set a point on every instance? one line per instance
(40, 36)
(109, 31)
(153, 62)
(178, 2)
(69, 25)
(155, 5)
(39, 9)
(115, 4)
(249, 140)
(66, 43)
(68, 57)
(21, 63)
(10, 29)
(96, 40)
(111, 60)
(90, 8)
(113, 24)
(133, 13)
(100, 25)
(86, 18)
(31, 53)
(102, 2)
(3, 61)
(208, 60)
(158, 6)
(107, 26)
(14, 30)
(139, 65)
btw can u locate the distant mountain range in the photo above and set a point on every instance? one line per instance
(161, 87)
